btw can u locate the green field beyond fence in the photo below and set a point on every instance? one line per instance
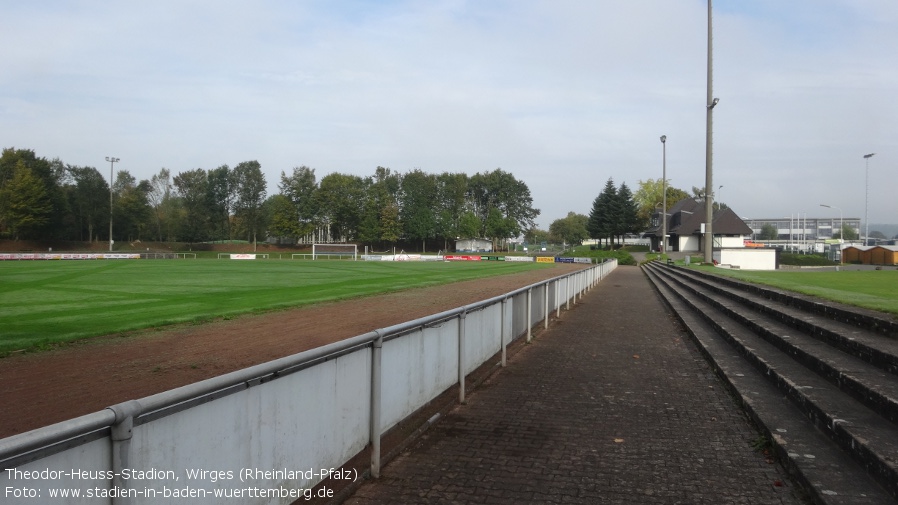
(48, 302)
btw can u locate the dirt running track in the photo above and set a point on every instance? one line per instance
(48, 387)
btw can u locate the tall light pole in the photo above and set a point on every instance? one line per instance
(663, 194)
(112, 162)
(709, 179)
(867, 196)
(841, 225)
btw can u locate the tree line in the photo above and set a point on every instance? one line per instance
(44, 199)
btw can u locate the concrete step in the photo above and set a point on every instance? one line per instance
(842, 451)
(854, 373)
(860, 335)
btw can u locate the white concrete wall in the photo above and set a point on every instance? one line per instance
(416, 367)
(690, 243)
(747, 258)
(731, 241)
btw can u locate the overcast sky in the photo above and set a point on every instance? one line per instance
(562, 94)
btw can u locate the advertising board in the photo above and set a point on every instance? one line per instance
(461, 257)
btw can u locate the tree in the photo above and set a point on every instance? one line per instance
(300, 188)
(132, 213)
(192, 187)
(649, 199)
(164, 204)
(626, 218)
(570, 229)
(501, 191)
(698, 194)
(50, 174)
(849, 233)
(601, 218)
(419, 192)
(220, 195)
(613, 213)
(250, 190)
(536, 236)
(24, 204)
(340, 199)
(283, 222)
(380, 219)
(469, 225)
(768, 232)
(89, 200)
(451, 206)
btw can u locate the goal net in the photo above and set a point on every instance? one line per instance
(335, 251)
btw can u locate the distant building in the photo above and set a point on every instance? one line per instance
(685, 221)
(805, 228)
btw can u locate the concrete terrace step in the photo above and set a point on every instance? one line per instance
(862, 334)
(840, 449)
(855, 374)
(864, 318)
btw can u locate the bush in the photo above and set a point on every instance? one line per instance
(805, 260)
(622, 255)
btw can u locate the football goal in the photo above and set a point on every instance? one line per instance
(335, 251)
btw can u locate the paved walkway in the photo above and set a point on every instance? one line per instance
(613, 404)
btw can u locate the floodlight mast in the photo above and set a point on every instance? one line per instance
(709, 179)
(112, 161)
(867, 196)
(663, 194)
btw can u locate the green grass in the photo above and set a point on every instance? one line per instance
(872, 289)
(622, 255)
(44, 303)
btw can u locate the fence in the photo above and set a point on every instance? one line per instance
(269, 433)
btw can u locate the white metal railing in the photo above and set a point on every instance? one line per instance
(269, 433)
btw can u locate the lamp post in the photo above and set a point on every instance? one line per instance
(867, 196)
(709, 180)
(112, 162)
(663, 194)
(841, 225)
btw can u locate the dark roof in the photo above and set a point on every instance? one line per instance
(687, 215)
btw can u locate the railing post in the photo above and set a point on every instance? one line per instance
(121, 433)
(461, 355)
(546, 298)
(529, 314)
(568, 290)
(557, 300)
(502, 333)
(376, 376)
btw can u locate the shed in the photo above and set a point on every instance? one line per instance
(854, 253)
(883, 255)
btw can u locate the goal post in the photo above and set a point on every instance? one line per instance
(338, 251)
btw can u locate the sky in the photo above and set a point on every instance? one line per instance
(562, 94)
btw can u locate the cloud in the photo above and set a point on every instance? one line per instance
(562, 94)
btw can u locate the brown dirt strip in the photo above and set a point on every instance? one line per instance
(43, 388)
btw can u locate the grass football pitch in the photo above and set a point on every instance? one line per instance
(48, 302)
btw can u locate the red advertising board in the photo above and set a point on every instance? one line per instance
(457, 257)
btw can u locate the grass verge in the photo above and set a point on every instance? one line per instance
(871, 289)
